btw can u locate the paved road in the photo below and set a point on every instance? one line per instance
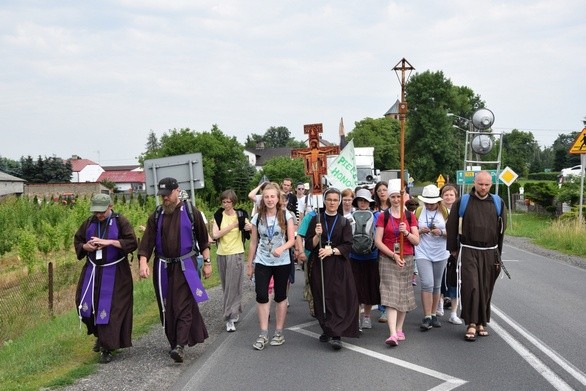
(537, 343)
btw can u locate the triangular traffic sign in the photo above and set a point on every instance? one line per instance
(579, 145)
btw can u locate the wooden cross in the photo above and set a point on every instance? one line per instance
(316, 163)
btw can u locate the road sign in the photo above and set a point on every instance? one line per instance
(579, 145)
(467, 177)
(508, 176)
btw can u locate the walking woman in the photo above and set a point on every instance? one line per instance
(231, 228)
(271, 237)
(395, 272)
(330, 242)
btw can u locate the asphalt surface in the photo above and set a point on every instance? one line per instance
(536, 343)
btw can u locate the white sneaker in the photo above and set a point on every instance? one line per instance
(454, 319)
(230, 326)
(440, 308)
(366, 323)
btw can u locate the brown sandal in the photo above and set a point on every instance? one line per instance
(482, 331)
(470, 335)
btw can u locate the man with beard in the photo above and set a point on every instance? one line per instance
(475, 238)
(177, 234)
(104, 291)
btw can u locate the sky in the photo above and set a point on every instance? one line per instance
(93, 78)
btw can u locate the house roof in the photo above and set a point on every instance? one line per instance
(4, 177)
(121, 168)
(264, 154)
(394, 110)
(123, 176)
(79, 164)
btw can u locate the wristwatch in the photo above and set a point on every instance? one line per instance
(207, 261)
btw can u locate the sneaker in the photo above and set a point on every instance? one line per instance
(366, 323)
(393, 340)
(435, 322)
(260, 343)
(230, 326)
(336, 343)
(177, 354)
(426, 324)
(105, 356)
(277, 339)
(454, 319)
(383, 317)
(440, 308)
(401, 336)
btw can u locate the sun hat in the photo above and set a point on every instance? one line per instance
(430, 195)
(394, 186)
(365, 195)
(100, 203)
(166, 186)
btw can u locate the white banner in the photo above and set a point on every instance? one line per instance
(342, 172)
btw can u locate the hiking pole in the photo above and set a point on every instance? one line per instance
(321, 262)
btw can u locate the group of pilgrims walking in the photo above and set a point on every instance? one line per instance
(359, 249)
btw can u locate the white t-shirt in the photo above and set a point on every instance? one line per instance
(431, 247)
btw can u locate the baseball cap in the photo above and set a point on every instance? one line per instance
(166, 186)
(100, 202)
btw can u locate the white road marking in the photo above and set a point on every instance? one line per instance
(552, 354)
(449, 383)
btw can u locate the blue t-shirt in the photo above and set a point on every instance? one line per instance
(302, 229)
(271, 237)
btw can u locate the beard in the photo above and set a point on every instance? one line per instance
(169, 209)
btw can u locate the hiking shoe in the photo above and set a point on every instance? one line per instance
(336, 343)
(230, 326)
(426, 324)
(260, 343)
(324, 338)
(454, 319)
(366, 323)
(277, 339)
(96, 347)
(177, 354)
(105, 356)
(435, 322)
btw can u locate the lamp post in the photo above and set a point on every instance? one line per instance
(404, 69)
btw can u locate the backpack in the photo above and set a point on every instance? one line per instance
(190, 210)
(241, 214)
(408, 214)
(363, 235)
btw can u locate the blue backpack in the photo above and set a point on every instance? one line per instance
(464, 203)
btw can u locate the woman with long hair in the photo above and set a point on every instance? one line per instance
(272, 235)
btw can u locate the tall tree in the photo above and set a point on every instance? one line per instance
(383, 135)
(276, 137)
(561, 146)
(520, 151)
(278, 168)
(253, 140)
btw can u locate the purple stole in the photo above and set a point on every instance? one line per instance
(112, 257)
(187, 265)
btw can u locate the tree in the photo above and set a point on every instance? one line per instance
(520, 151)
(10, 166)
(561, 146)
(152, 144)
(278, 168)
(253, 140)
(276, 137)
(383, 135)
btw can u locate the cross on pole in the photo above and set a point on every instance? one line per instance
(316, 163)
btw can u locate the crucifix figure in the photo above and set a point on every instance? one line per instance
(316, 163)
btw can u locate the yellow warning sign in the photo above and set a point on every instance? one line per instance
(579, 145)
(440, 181)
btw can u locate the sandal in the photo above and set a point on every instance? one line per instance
(470, 335)
(260, 343)
(482, 331)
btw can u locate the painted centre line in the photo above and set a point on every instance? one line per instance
(449, 382)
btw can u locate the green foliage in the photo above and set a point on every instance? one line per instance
(569, 193)
(381, 133)
(45, 170)
(561, 145)
(27, 246)
(543, 194)
(278, 168)
(520, 152)
(543, 176)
